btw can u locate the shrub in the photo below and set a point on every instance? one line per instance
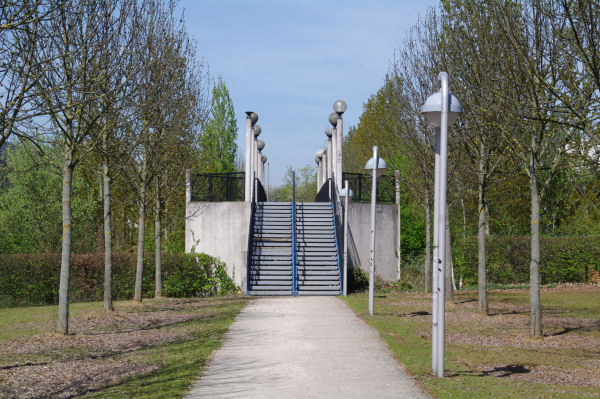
(563, 259)
(34, 278)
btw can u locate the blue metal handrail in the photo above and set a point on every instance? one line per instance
(335, 228)
(294, 269)
(250, 241)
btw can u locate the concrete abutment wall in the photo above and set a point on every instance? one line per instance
(220, 229)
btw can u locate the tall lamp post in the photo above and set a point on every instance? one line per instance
(334, 139)
(375, 166)
(320, 154)
(346, 194)
(251, 119)
(260, 145)
(339, 107)
(318, 162)
(440, 110)
(330, 152)
(253, 158)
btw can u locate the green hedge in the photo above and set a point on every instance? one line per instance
(563, 259)
(34, 278)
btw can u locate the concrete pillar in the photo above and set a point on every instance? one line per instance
(324, 171)
(261, 168)
(318, 162)
(329, 158)
(338, 154)
(248, 162)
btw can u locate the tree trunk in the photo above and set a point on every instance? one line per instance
(449, 264)
(535, 308)
(65, 261)
(108, 305)
(399, 226)
(427, 242)
(139, 272)
(482, 306)
(157, 249)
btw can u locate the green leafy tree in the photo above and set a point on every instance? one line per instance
(217, 144)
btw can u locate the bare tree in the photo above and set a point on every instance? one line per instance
(19, 37)
(536, 137)
(68, 85)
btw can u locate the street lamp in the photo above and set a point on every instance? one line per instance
(333, 117)
(339, 107)
(256, 129)
(330, 152)
(346, 194)
(375, 166)
(440, 110)
(251, 119)
(260, 145)
(319, 169)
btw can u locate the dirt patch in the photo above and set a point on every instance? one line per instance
(542, 374)
(66, 379)
(59, 366)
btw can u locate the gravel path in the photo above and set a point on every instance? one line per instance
(303, 347)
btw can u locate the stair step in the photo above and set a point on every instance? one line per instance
(322, 283)
(274, 287)
(274, 244)
(337, 292)
(275, 276)
(271, 283)
(318, 278)
(263, 292)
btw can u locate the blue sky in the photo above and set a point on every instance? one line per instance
(289, 61)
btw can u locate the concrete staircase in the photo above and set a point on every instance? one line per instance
(270, 271)
(317, 255)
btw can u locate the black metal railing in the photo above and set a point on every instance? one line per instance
(212, 187)
(360, 184)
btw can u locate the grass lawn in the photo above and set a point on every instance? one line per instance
(493, 356)
(151, 350)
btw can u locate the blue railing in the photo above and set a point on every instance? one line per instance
(250, 240)
(294, 269)
(337, 245)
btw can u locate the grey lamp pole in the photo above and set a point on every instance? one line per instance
(375, 166)
(320, 154)
(260, 145)
(346, 193)
(339, 107)
(440, 109)
(330, 152)
(251, 119)
(318, 162)
(263, 158)
(256, 130)
(268, 170)
(334, 138)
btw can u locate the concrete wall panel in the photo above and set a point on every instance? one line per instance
(220, 229)
(359, 241)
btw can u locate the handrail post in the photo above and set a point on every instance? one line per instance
(294, 288)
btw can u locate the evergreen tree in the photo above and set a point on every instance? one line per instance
(217, 144)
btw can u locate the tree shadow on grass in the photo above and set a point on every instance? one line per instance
(500, 371)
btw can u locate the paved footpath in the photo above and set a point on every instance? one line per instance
(303, 347)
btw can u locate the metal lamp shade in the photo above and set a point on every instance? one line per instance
(432, 109)
(342, 193)
(333, 117)
(339, 107)
(381, 166)
(260, 144)
(257, 130)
